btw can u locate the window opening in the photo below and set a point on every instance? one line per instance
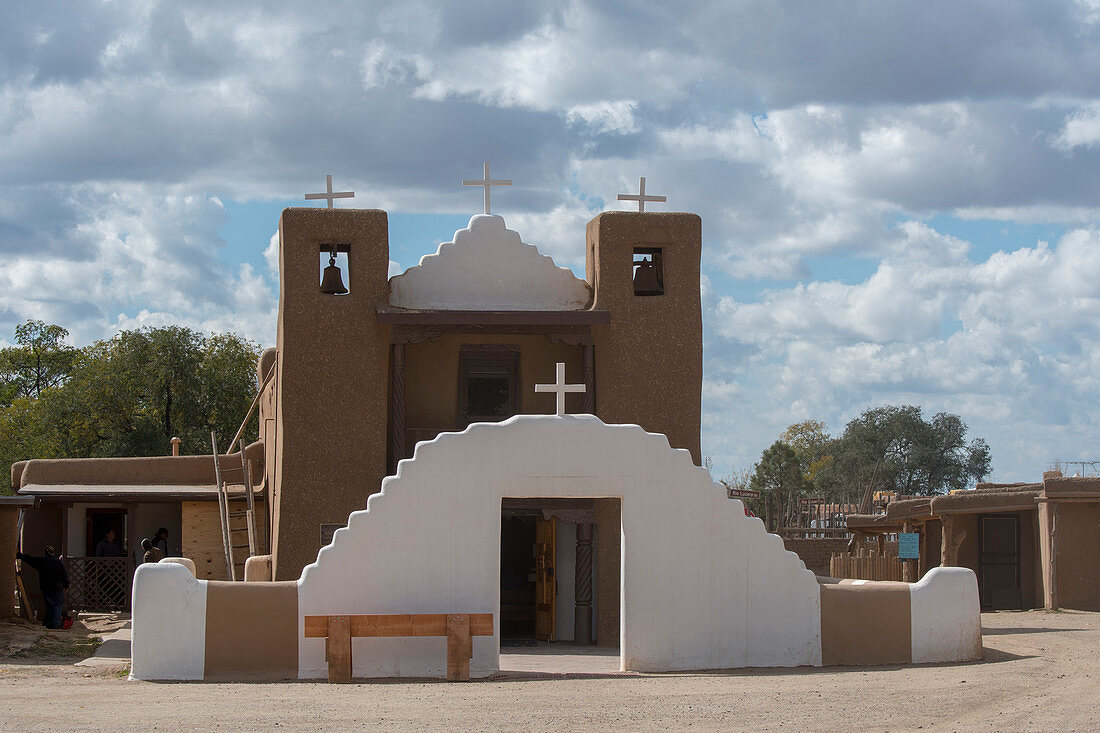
(649, 275)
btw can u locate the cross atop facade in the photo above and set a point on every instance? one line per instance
(559, 388)
(486, 182)
(328, 194)
(640, 197)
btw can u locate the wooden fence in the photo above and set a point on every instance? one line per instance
(865, 566)
(99, 583)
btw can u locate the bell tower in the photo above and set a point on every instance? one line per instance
(644, 269)
(333, 362)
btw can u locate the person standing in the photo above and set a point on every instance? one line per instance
(160, 541)
(152, 552)
(53, 580)
(107, 546)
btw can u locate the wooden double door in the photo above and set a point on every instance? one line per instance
(528, 579)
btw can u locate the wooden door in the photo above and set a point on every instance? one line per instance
(999, 579)
(545, 580)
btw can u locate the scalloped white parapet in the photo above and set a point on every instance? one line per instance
(704, 586)
(488, 267)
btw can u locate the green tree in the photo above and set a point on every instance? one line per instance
(40, 360)
(129, 395)
(812, 444)
(901, 451)
(778, 476)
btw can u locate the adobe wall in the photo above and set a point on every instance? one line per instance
(816, 552)
(1078, 572)
(333, 361)
(432, 378)
(649, 359)
(9, 519)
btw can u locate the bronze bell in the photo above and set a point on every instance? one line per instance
(332, 282)
(646, 281)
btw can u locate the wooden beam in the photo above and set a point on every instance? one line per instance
(460, 647)
(403, 624)
(338, 647)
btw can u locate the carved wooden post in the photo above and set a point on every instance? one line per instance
(582, 588)
(588, 401)
(906, 565)
(882, 544)
(397, 406)
(1053, 556)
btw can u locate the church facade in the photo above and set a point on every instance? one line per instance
(361, 377)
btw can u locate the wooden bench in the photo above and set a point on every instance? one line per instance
(459, 628)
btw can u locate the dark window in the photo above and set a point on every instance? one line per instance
(487, 383)
(649, 272)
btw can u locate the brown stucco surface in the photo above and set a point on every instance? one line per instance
(649, 359)
(251, 630)
(1078, 571)
(196, 470)
(608, 562)
(432, 377)
(866, 624)
(816, 552)
(333, 363)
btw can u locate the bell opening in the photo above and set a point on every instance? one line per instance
(649, 276)
(334, 272)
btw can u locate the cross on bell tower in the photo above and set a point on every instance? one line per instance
(486, 183)
(641, 197)
(329, 194)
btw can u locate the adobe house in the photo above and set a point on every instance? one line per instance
(1031, 545)
(366, 366)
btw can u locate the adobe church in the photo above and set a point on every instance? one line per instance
(367, 366)
(362, 376)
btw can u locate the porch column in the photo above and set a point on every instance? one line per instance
(1053, 594)
(397, 405)
(907, 565)
(588, 401)
(582, 589)
(882, 544)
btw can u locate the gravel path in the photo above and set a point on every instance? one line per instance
(1037, 675)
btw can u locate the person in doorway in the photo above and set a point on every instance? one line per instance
(160, 541)
(53, 580)
(152, 552)
(107, 546)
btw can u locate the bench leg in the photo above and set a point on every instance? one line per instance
(459, 648)
(338, 648)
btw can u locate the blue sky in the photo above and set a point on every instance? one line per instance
(898, 206)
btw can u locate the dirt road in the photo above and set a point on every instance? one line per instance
(1041, 672)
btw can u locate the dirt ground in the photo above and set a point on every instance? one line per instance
(1037, 675)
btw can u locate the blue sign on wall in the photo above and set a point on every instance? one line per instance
(908, 546)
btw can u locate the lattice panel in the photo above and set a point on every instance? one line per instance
(99, 583)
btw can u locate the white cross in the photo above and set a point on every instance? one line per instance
(640, 197)
(560, 388)
(329, 195)
(486, 182)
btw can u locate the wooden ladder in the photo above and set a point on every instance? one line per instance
(227, 503)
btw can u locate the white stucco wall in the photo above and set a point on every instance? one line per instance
(169, 623)
(946, 616)
(703, 586)
(488, 267)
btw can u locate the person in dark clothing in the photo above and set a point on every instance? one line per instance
(107, 546)
(160, 541)
(53, 580)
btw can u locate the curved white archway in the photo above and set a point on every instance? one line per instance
(703, 586)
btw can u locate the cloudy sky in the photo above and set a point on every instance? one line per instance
(900, 201)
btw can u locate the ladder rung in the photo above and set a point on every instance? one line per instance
(232, 468)
(239, 547)
(242, 513)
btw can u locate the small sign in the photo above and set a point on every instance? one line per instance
(742, 494)
(908, 546)
(812, 500)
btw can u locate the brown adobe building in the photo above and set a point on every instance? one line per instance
(1031, 545)
(357, 379)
